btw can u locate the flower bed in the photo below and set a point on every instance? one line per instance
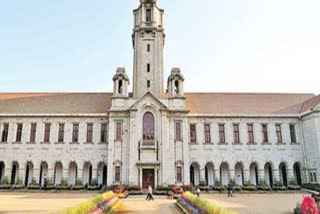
(104, 203)
(191, 204)
(312, 186)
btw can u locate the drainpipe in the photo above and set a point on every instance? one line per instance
(304, 149)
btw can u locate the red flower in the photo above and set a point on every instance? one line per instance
(309, 206)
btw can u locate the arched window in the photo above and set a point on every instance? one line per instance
(148, 126)
(120, 87)
(176, 87)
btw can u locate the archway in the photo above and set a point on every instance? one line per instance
(73, 173)
(102, 174)
(283, 174)
(14, 172)
(194, 174)
(268, 174)
(58, 173)
(87, 173)
(43, 173)
(209, 174)
(29, 174)
(224, 173)
(254, 174)
(2, 168)
(238, 170)
(297, 173)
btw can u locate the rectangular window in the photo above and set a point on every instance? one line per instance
(148, 83)
(33, 132)
(311, 177)
(5, 132)
(193, 134)
(207, 134)
(61, 133)
(315, 177)
(236, 134)
(222, 136)
(75, 133)
(278, 133)
(89, 132)
(117, 174)
(250, 134)
(148, 67)
(265, 133)
(47, 127)
(293, 133)
(104, 133)
(148, 47)
(19, 132)
(119, 131)
(179, 174)
(148, 15)
(178, 136)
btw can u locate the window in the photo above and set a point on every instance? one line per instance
(148, 83)
(120, 86)
(33, 132)
(5, 132)
(89, 132)
(311, 176)
(148, 47)
(19, 132)
(278, 133)
(119, 131)
(47, 132)
(193, 134)
(236, 134)
(117, 174)
(264, 133)
(148, 67)
(250, 134)
(315, 177)
(104, 133)
(178, 136)
(75, 133)
(207, 137)
(148, 126)
(222, 135)
(61, 133)
(293, 133)
(148, 15)
(179, 174)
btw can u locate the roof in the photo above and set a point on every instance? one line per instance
(55, 103)
(197, 103)
(245, 103)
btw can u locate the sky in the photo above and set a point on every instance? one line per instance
(220, 46)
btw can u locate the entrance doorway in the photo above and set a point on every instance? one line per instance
(147, 178)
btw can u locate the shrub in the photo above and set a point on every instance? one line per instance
(135, 192)
(263, 186)
(312, 186)
(5, 180)
(161, 188)
(204, 188)
(94, 182)
(249, 187)
(138, 188)
(34, 181)
(232, 182)
(187, 188)
(79, 182)
(202, 183)
(193, 204)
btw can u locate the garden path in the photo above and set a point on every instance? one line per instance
(138, 204)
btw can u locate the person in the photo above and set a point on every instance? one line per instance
(149, 196)
(229, 191)
(45, 183)
(198, 192)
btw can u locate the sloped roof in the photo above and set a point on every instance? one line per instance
(55, 103)
(197, 103)
(245, 103)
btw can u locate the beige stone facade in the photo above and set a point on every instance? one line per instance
(155, 137)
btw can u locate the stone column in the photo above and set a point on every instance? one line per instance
(231, 175)
(276, 175)
(217, 175)
(50, 175)
(202, 176)
(7, 173)
(65, 175)
(246, 176)
(36, 175)
(21, 175)
(156, 177)
(79, 174)
(94, 173)
(140, 176)
(290, 175)
(261, 175)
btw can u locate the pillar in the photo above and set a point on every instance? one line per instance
(50, 176)
(246, 176)
(231, 175)
(276, 175)
(202, 176)
(156, 177)
(36, 175)
(79, 174)
(217, 175)
(140, 176)
(261, 175)
(21, 175)
(65, 175)
(290, 175)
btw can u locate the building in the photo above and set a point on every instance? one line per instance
(155, 137)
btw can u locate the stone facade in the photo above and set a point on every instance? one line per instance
(153, 137)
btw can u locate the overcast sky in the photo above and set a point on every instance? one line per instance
(221, 46)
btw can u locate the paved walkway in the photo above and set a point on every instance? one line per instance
(138, 204)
